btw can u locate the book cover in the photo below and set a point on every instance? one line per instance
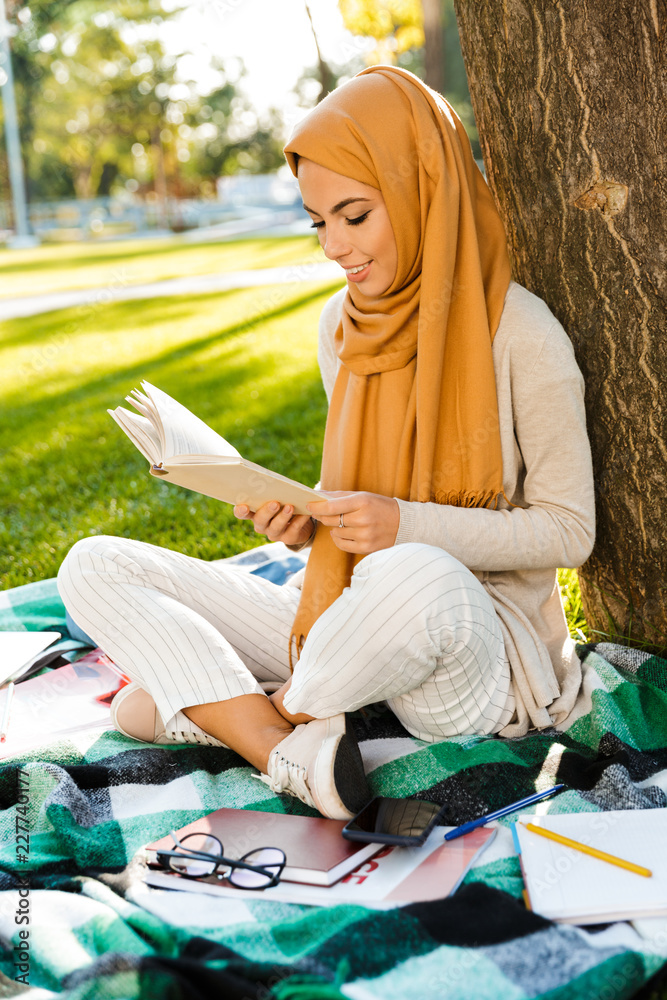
(394, 876)
(182, 449)
(315, 849)
(569, 886)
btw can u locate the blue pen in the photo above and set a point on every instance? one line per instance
(521, 804)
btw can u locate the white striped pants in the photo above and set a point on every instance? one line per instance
(414, 628)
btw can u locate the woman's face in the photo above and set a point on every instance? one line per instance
(352, 226)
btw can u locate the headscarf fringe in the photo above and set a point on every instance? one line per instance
(467, 499)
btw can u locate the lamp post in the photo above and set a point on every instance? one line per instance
(22, 236)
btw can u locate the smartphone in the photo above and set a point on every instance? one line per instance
(402, 822)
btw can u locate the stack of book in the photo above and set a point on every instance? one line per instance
(324, 869)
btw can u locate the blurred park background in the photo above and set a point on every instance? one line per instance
(149, 229)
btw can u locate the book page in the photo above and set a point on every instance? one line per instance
(144, 404)
(564, 883)
(183, 432)
(140, 431)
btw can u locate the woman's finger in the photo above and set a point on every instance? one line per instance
(243, 513)
(347, 544)
(299, 530)
(335, 521)
(279, 522)
(333, 508)
(265, 515)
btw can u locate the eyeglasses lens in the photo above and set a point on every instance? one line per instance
(196, 867)
(270, 858)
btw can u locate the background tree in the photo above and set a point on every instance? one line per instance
(101, 106)
(396, 25)
(419, 35)
(327, 76)
(38, 28)
(434, 54)
(571, 104)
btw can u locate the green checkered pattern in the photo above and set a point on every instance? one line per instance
(96, 930)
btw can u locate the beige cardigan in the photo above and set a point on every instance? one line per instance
(547, 473)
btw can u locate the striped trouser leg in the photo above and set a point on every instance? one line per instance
(414, 628)
(188, 631)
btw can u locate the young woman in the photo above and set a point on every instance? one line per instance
(459, 468)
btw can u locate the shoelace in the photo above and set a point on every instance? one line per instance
(187, 736)
(287, 776)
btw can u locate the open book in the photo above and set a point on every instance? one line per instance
(184, 450)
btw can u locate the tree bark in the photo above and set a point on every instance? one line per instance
(570, 98)
(434, 51)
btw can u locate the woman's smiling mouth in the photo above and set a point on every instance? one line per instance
(358, 272)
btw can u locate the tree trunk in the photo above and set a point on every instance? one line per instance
(327, 76)
(160, 178)
(570, 99)
(434, 54)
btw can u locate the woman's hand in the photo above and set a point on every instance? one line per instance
(279, 524)
(370, 521)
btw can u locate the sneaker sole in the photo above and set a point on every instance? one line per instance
(340, 757)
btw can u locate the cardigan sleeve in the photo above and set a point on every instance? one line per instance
(554, 525)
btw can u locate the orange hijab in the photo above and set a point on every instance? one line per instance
(414, 412)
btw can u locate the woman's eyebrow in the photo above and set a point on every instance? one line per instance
(338, 207)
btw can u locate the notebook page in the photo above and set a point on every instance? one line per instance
(563, 882)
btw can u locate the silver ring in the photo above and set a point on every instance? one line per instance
(341, 523)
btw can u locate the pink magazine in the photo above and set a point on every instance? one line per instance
(65, 700)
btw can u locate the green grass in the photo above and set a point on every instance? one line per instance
(130, 262)
(244, 360)
(574, 612)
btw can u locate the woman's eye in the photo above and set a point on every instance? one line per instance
(359, 219)
(316, 225)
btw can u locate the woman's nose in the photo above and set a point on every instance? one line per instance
(335, 243)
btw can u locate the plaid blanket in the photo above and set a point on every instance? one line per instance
(77, 921)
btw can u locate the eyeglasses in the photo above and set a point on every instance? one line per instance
(199, 855)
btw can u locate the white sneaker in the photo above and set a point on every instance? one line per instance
(134, 714)
(320, 764)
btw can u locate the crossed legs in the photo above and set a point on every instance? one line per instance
(415, 628)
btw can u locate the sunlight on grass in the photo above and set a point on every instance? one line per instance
(245, 361)
(129, 262)
(570, 593)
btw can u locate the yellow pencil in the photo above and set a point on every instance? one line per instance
(585, 849)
